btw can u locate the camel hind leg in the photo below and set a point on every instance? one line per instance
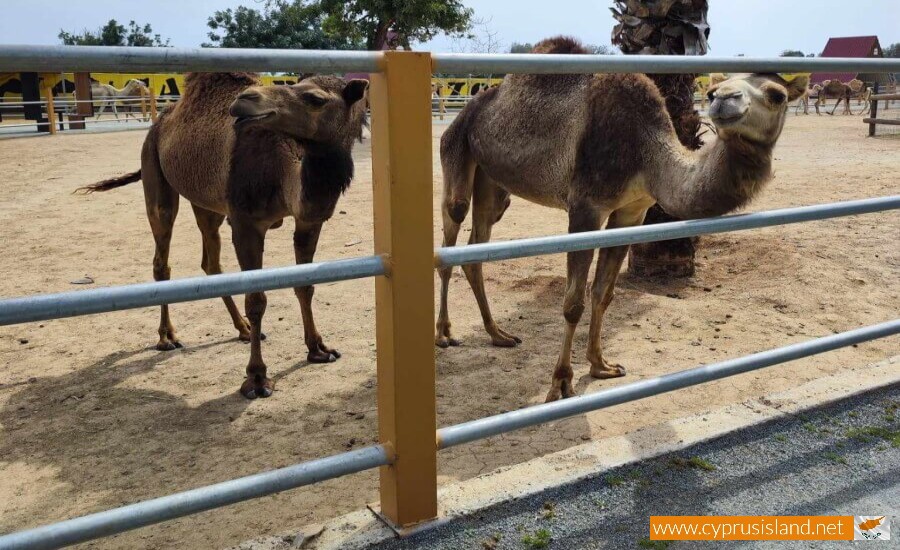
(489, 204)
(209, 223)
(459, 175)
(162, 208)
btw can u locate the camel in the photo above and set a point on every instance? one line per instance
(843, 92)
(108, 95)
(603, 148)
(803, 100)
(277, 151)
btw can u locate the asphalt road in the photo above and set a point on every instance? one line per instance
(836, 460)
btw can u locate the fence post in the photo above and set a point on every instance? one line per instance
(153, 115)
(874, 111)
(400, 98)
(51, 111)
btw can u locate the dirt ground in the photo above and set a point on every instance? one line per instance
(92, 417)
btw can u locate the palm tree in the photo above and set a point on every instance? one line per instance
(666, 27)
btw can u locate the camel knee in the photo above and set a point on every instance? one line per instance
(255, 304)
(161, 271)
(457, 209)
(573, 311)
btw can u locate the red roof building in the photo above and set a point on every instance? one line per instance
(850, 46)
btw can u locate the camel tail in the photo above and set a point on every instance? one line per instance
(109, 184)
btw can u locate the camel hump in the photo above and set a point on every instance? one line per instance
(560, 45)
(111, 183)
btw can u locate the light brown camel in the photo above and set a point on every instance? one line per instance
(108, 95)
(803, 100)
(843, 92)
(285, 153)
(603, 148)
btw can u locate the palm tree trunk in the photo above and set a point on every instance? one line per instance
(672, 27)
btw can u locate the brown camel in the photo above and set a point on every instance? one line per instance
(285, 153)
(843, 92)
(603, 148)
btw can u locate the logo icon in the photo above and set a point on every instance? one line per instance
(871, 528)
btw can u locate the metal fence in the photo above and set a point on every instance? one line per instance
(403, 264)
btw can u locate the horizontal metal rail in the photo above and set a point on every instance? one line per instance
(148, 512)
(460, 63)
(548, 412)
(70, 304)
(14, 58)
(506, 250)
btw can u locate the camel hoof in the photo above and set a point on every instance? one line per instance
(169, 345)
(562, 389)
(607, 371)
(251, 389)
(503, 339)
(321, 356)
(446, 342)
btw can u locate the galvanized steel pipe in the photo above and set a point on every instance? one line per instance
(505, 250)
(145, 513)
(69, 304)
(547, 412)
(125, 59)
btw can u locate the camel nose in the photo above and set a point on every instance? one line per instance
(249, 95)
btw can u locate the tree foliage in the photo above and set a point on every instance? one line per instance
(280, 24)
(372, 21)
(114, 34)
(792, 53)
(893, 50)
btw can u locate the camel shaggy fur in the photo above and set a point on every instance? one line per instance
(256, 155)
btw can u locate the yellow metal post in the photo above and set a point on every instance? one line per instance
(153, 115)
(144, 95)
(400, 98)
(51, 111)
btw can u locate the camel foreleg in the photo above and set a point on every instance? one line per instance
(248, 236)
(609, 263)
(583, 216)
(306, 238)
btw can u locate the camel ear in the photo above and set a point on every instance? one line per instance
(355, 90)
(797, 87)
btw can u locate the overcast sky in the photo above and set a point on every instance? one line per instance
(751, 27)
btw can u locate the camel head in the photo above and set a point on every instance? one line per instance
(134, 85)
(320, 108)
(753, 106)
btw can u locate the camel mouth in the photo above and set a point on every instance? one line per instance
(240, 120)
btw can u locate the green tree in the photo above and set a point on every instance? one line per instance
(893, 50)
(114, 34)
(521, 47)
(792, 53)
(370, 21)
(280, 24)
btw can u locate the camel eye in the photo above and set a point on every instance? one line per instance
(711, 96)
(314, 100)
(776, 97)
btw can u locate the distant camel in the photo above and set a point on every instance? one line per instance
(601, 147)
(108, 95)
(803, 101)
(277, 151)
(842, 92)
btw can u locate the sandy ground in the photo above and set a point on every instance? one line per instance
(92, 417)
